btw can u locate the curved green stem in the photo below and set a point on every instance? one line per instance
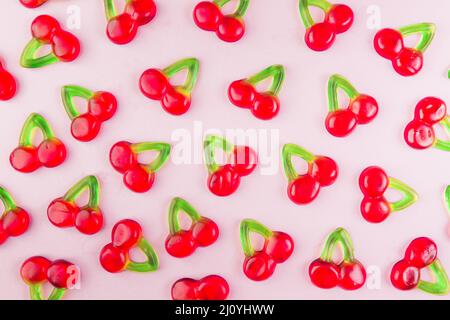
(290, 150)
(67, 95)
(110, 9)
(426, 30)
(250, 225)
(89, 182)
(339, 236)
(34, 121)
(275, 71)
(163, 153)
(441, 284)
(28, 58)
(152, 259)
(441, 144)
(305, 14)
(7, 200)
(177, 205)
(57, 294)
(209, 146)
(192, 65)
(36, 293)
(335, 82)
(240, 10)
(410, 196)
(447, 198)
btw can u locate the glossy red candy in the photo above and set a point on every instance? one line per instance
(421, 252)
(62, 274)
(8, 84)
(259, 266)
(212, 287)
(224, 181)
(405, 276)
(324, 274)
(32, 3)
(34, 270)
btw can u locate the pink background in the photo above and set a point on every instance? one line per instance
(274, 36)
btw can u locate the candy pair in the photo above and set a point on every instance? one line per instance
(38, 270)
(14, 221)
(229, 28)
(212, 287)
(421, 253)
(46, 30)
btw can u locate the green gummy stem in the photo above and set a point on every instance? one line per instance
(7, 200)
(163, 149)
(36, 293)
(276, 72)
(427, 31)
(67, 95)
(409, 195)
(210, 144)
(334, 83)
(447, 198)
(305, 14)
(290, 150)
(247, 226)
(339, 236)
(192, 65)
(240, 10)
(90, 182)
(441, 144)
(441, 285)
(34, 121)
(177, 205)
(152, 259)
(28, 58)
(110, 9)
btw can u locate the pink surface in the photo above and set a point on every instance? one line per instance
(274, 36)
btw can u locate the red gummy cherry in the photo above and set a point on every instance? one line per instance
(421, 252)
(320, 36)
(304, 189)
(102, 105)
(364, 107)
(44, 27)
(85, 127)
(430, 110)
(404, 276)
(34, 270)
(65, 46)
(184, 289)
(279, 247)
(207, 15)
(340, 123)
(324, 274)
(224, 181)
(25, 159)
(62, 274)
(153, 84)
(408, 62)
(175, 101)
(419, 135)
(126, 234)
(51, 153)
(15, 222)
(259, 267)
(352, 275)
(122, 28)
(32, 3)
(62, 213)
(244, 160)
(340, 16)
(7, 85)
(89, 221)
(230, 29)
(113, 259)
(143, 11)
(181, 244)
(121, 157)
(375, 210)
(373, 181)
(138, 179)
(388, 43)
(3, 234)
(213, 287)
(266, 106)
(205, 232)
(242, 94)
(324, 170)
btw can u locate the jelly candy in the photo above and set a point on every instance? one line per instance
(115, 256)
(212, 287)
(8, 84)
(349, 274)
(138, 177)
(32, 3)
(14, 221)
